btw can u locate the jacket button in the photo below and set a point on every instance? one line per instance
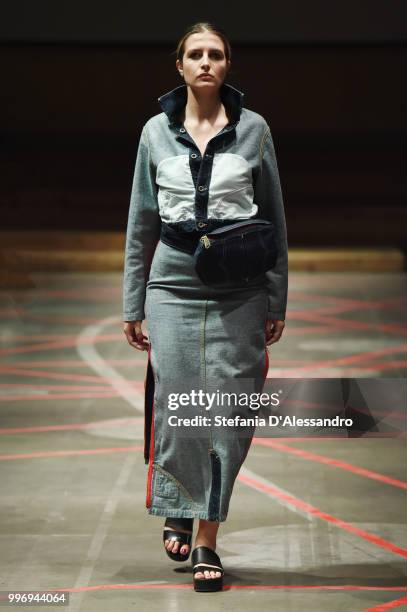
(182, 130)
(194, 155)
(202, 224)
(201, 187)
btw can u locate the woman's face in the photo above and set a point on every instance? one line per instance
(203, 55)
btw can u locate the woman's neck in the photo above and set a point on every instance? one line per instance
(201, 108)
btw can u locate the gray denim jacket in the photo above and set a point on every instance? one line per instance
(174, 184)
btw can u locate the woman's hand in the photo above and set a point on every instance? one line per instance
(135, 336)
(274, 329)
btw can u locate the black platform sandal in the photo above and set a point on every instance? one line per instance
(204, 558)
(171, 527)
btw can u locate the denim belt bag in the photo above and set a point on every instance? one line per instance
(237, 253)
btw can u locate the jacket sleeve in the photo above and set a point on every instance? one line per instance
(143, 232)
(268, 197)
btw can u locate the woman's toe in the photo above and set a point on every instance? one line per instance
(208, 574)
(174, 547)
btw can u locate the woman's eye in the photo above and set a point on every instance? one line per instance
(217, 56)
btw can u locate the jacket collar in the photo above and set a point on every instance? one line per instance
(175, 100)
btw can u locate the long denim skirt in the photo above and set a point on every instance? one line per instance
(204, 343)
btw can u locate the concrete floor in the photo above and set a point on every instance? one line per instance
(314, 524)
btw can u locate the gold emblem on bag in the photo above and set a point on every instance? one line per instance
(205, 241)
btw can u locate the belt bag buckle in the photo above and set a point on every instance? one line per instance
(237, 253)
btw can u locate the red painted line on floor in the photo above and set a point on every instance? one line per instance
(47, 374)
(96, 292)
(379, 366)
(303, 296)
(310, 509)
(398, 328)
(256, 587)
(387, 606)
(53, 375)
(47, 387)
(289, 362)
(372, 434)
(342, 324)
(119, 423)
(61, 396)
(368, 355)
(137, 385)
(373, 366)
(346, 307)
(330, 461)
(352, 359)
(395, 363)
(351, 302)
(37, 338)
(47, 346)
(296, 313)
(301, 330)
(8, 312)
(58, 318)
(321, 372)
(346, 323)
(65, 453)
(78, 363)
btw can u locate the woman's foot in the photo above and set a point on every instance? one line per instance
(174, 546)
(207, 569)
(206, 536)
(177, 537)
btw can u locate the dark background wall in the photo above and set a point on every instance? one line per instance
(328, 77)
(260, 21)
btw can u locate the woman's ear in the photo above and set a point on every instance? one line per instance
(179, 68)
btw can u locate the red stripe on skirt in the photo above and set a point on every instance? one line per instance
(151, 450)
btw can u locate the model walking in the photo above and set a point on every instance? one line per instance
(204, 162)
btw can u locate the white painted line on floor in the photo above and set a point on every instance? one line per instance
(85, 346)
(102, 530)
